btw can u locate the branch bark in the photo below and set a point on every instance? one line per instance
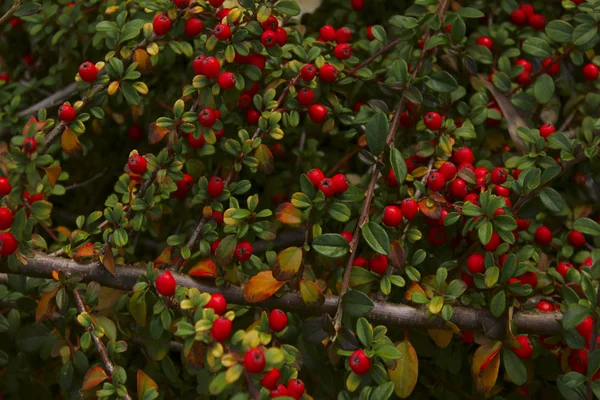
(10, 12)
(399, 315)
(50, 101)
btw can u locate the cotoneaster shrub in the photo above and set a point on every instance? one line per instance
(379, 199)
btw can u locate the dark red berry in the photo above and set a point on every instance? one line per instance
(328, 73)
(436, 181)
(6, 218)
(537, 21)
(342, 51)
(306, 96)
(340, 183)
(270, 378)
(409, 208)
(29, 145)
(543, 236)
(215, 186)
(222, 31)
(476, 264)
(268, 39)
(576, 239)
(525, 349)
(499, 176)
(308, 72)
(590, 72)
(207, 117)
(218, 303)
(551, 65)
(327, 33)
(243, 251)
(226, 80)
(317, 113)
(295, 388)
(485, 41)
(184, 185)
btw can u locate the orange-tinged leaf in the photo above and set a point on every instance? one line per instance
(156, 134)
(287, 214)
(362, 141)
(144, 382)
(45, 306)
(94, 376)
(70, 143)
(56, 275)
(204, 269)
(413, 288)
(143, 59)
(311, 294)
(406, 373)
(441, 337)
(164, 257)
(109, 261)
(261, 286)
(266, 163)
(195, 356)
(437, 197)
(32, 126)
(53, 172)
(484, 369)
(287, 263)
(87, 250)
(430, 208)
(397, 256)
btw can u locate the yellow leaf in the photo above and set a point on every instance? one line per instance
(266, 163)
(164, 258)
(204, 269)
(53, 172)
(144, 382)
(94, 376)
(311, 293)
(287, 214)
(113, 87)
(406, 373)
(413, 288)
(70, 143)
(261, 286)
(111, 9)
(229, 220)
(420, 172)
(441, 337)
(44, 306)
(152, 49)
(287, 263)
(485, 365)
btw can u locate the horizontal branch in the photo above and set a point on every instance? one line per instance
(56, 98)
(42, 265)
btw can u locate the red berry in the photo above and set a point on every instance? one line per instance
(306, 96)
(343, 35)
(360, 262)
(254, 361)
(5, 187)
(88, 72)
(216, 3)
(278, 320)
(458, 188)
(590, 72)
(226, 80)
(370, 35)
(522, 224)
(328, 73)
(161, 24)
(502, 191)
(8, 244)
(252, 116)
(315, 176)
(527, 9)
(585, 328)
(499, 176)
(165, 284)
(221, 329)
(5, 77)
(544, 306)
(66, 113)
(29, 145)
(213, 247)
(476, 263)
(137, 164)
(518, 17)
(183, 186)
(563, 268)
(308, 72)
(217, 302)
(493, 243)
(281, 391)
(433, 120)
(268, 39)
(524, 79)
(207, 117)
(6, 218)
(391, 179)
(211, 67)
(359, 362)
(436, 181)
(281, 37)
(217, 216)
(222, 31)
(193, 27)
(579, 179)
(526, 349)
(551, 65)
(270, 378)
(340, 183)
(537, 21)
(295, 388)
(467, 337)
(468, 279)
(196, 143)
(463, 155)
(578, 360)
(243, 251)
(215, 186)
(409, 208)
(342, 51)
(492, 121)
(485, 41)
(378, 264)
(392, 216)
(543, 236)
(270, 24)
(472, 198)
(181, 4)
(449, 170)
(357, 5)
(317, 113)
(527, 67)
(576, 239)
(436, 236)
(327, 187)
(327, 33)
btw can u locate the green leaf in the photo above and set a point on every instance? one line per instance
(574, 315)
(330, 245)
(514, 367)
(552, 199)
(364, 331)
(559, 31)
(585, 34)
(484, 232)
(287, 7)
(356, 303)
(469, 12)
(498, 304)
(587, 226)
(398, 165)
(382, 392)
(537, 47)
(543, 88)
(376, 237)
(377, 131)
(390, 352)
(338, 211)
(28, 9)
(442, 82)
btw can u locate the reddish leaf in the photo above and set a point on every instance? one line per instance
(144, 382)
(45, 306)
(32, 126)
(484, 369)
(164, 258)
(287, 214)
(94, 376)
(261, 286)
(430, 208)
(156, 134)
(108, 260)
(86, 250)
(287, 263)
(413, 288)
(397, 256)
(204, 269)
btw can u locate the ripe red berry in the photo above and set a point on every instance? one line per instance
(8, 244)
(217, 301)
(161, 24)
(547, 130)
(254, 361)
(222, 31)
(463, 155)
(196, 143)
(270, 378)
(308, 72)
(476, 263)
(499, 176)
(252, 116)
(6, 218)
(67, 113)
(181, 4)
(4, 77)
(585, 328)
(207, 117)
(370, 35)
(29, 145)
(544, 306)
(436, 181)
(527, 9)
(306, 96)
(268, 39)
(551, 65)
(343, 35)
(210, 67)
(458, 188)
(433, 120)
(537, 21)
(214, 246)
(281, 37)
(278, 320)
(590, 72)
(359, 362)
(449, 170)
(270, 24)
(340, 183)
(243, 251)
(226, 80)
(315, 176)
(221, 329)
(216, 3)
(579, 179)
(184, 185)
(576, 239)
(328, 73)
(342, 51)
(295, 388)
(280, 391)
(525, 64)
(472, 198)
(215, 186)
(391, 179)
(392, 216)
(88, 72)
(493, 243)
(165, 284)
(409, 208)
(524, 79)
(436, 236)
(485, 41)
(137, 164)
(327, 187)
(317, 113)
(543, 236)
(518, 17)
(327, 33)
(526, 349)
(563, 268)
(193, 27)
(357, 5)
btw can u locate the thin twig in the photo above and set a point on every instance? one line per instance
(369, 60)
(252, 391)
(191, 243)
(10, 12)
(87, 182)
